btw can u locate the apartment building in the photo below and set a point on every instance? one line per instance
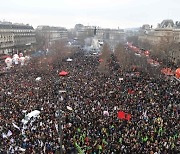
(16, 37)
(52, 34)
(166, 29)
(110, 36)
(167, 32)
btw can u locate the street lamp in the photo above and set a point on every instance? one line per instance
(60, 100)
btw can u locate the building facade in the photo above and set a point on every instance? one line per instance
(82, 32)
(167, 29)
(166, 33)
(52, 34)
(16, 38)
(111, 36)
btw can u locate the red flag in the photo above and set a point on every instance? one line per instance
(127, 116)
(130, 91)
(121, 115)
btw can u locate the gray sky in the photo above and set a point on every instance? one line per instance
(103, 13)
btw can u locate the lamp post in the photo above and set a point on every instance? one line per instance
(173, 59)
(60, 100)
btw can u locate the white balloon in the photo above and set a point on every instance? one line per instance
(22, 60)
(20, 54)
(15, 55)
(8, 62)
(27, 58)
(16, 59)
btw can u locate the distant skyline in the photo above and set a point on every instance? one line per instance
(103, 13)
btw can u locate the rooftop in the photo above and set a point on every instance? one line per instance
(9, 25)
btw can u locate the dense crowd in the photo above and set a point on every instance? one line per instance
(153, 104)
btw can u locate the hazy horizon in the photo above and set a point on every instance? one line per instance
(102, 13)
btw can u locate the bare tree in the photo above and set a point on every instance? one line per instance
(145, 44)
(124, 57)
(166, 50)
(105, 56)
(40, 41)
(129, 62)
(60, 50)
(133, 39)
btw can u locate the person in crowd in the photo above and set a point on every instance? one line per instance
(152, 102)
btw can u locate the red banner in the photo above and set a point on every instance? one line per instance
(123, 115)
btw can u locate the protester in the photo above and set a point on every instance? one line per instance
(89, 106)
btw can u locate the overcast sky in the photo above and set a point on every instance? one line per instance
(103, 13)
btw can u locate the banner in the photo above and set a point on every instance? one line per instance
(124, 116)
